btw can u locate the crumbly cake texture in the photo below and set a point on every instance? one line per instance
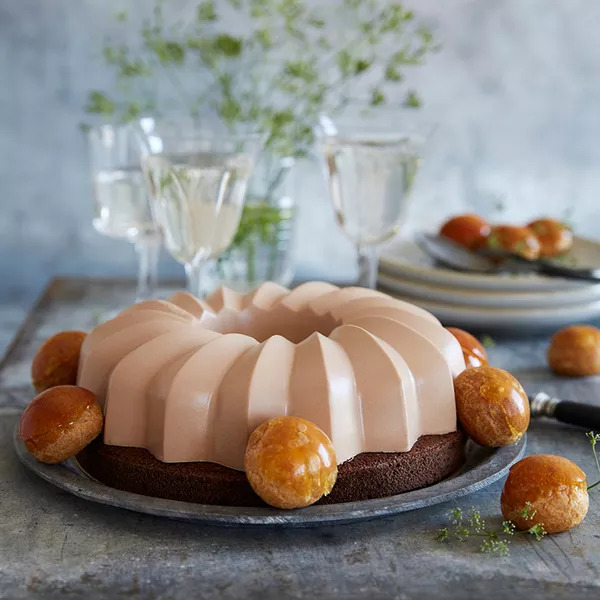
(366, 476)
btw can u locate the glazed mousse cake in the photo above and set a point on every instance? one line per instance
(184, 382)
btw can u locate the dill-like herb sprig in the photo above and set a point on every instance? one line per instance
(472, 525)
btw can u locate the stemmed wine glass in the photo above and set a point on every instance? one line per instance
(121, 200)
(371, 161)
(197, 175)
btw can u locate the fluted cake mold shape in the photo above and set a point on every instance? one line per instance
(190, 379)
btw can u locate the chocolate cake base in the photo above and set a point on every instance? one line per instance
(368, 475)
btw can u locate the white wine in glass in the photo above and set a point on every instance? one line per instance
(197, 179)
(370, 170)
(121, 200)
(121, 204)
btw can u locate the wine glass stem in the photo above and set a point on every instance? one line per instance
(193, 273)
(367, 266)
(147, 249)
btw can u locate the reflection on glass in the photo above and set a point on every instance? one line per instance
(371, 168)
(197, 178)
(121, 200)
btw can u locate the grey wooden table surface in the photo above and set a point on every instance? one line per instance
(54, 545)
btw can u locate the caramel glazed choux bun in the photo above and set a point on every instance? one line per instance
(56, 361)
(60, 422)
(555, 487)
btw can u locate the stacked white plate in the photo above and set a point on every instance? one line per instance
(515, 303)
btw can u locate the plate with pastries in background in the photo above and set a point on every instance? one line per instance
(496, 276)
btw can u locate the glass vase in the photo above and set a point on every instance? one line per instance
(262, 247)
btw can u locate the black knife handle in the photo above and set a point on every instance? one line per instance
(577, 413)
(548, 268)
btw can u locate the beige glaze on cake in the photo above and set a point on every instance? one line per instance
(190, 380)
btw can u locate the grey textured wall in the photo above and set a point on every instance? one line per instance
(515, 92)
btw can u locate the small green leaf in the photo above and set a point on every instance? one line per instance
(206, 11)
(228, 45)
(377, 97)
(290, 86)
(113, 56)
(131, 113)
(425, 35)
(301, 69)
(133, 69)
(283, 117)
(392, 18)
(263, 221)
(344, 62)
(488, 341)
(500, 206)
(367, 27)
(407, 57)
(508, 527)
(538, 531)
(398, 58)
(593, 437)
(167, 52)
(316, 22)
(225, 79)
(290, 9)
(99, 103)
(527, 512)
(259, 9)
(392, 73)
(318, 96)
(361, 65)
(493, 241)
(412, 99)
(120, 15)
(499, 546)
(196, 43)
(294, 32)
(230, 110)
(253, 111)
(520, 247)
(264, 38)
(324, 43)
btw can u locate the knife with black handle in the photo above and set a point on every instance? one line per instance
(566, 411)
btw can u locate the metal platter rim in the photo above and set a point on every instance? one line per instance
(494, 463)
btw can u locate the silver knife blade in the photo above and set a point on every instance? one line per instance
(453, 255)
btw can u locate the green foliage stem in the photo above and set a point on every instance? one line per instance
(291, 62)
(472, 525)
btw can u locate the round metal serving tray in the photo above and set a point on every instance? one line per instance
(482, 467)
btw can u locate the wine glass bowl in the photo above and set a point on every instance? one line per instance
(197, 178)
(371, 168)
(121, 201)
